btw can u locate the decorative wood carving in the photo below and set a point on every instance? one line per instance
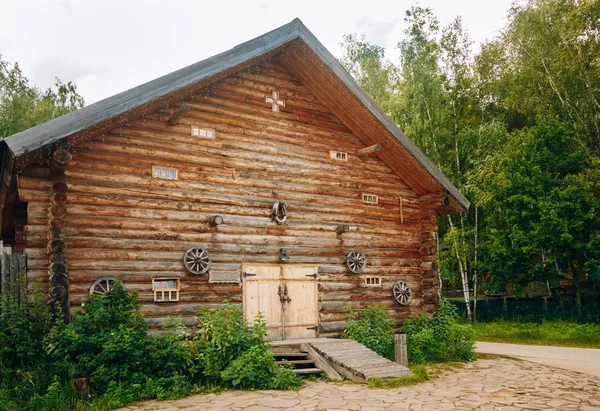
(274, 101)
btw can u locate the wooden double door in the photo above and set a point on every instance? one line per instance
(286, 295)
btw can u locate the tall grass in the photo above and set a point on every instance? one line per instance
(556, 333)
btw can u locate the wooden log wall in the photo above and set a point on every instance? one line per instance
(123, 223)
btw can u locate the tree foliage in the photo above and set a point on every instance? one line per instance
(23, 105)
(514, 126)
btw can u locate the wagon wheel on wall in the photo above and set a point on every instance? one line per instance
(402, 293)
(356, 262)
(197, 260)
(103, 286)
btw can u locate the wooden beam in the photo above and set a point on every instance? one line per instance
(174, 120)
(215, 220)
(60, 158)
(342, 228)
(369, 150)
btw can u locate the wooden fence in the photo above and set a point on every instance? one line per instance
(13, 268)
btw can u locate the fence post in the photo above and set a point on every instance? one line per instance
(401, 355)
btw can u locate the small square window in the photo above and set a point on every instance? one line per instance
(373, 281)
(203, 132)
(165, 173)
(165, 289)
(370, 198)
(338, 155)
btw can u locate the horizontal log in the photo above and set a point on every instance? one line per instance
(368, 150)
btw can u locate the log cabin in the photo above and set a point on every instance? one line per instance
(264, 176)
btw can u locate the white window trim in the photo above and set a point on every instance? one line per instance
(338, 155)
(169, 173)
(197, 131)
(370, 198)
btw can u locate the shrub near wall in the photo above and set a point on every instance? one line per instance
(439, 338)
(374, 328)
(107, 343)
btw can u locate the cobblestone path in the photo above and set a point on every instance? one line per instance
(487, 384)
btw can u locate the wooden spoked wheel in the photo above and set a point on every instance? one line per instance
(402, 293)
(356, 262)
(197, 260)
(103, 286)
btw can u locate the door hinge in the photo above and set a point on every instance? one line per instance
(248, 274)
(312, 275)
(314, 328)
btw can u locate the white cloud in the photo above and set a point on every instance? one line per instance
(108, 46)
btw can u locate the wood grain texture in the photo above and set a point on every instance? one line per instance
(122, 222)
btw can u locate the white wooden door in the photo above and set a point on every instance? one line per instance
(300, 314)
(261, 283)
(289, 315)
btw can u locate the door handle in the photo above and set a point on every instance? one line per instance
(283, 297)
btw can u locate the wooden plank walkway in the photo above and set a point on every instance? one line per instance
(356, 361)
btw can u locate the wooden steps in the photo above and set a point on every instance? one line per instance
(336, 358)
(356, 361)
(301, 361)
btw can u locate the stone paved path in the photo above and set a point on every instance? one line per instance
(488, 384)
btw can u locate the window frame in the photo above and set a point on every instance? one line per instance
(167, 294)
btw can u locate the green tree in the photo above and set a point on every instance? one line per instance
(23, 105)
(366, 63)
(541, 200)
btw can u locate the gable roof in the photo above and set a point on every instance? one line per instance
(106, 113)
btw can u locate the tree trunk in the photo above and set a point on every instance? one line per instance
(463, 275)
(475, 264)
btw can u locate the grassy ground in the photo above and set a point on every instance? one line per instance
(556, 333)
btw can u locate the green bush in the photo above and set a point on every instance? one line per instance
(374, 329)
(439, 338)
(107, 342)
(25, 370)
(232, 353)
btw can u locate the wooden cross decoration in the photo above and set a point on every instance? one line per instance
(275, 102)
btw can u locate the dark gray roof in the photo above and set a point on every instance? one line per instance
(58, 128)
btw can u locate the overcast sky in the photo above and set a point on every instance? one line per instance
(108, 46)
